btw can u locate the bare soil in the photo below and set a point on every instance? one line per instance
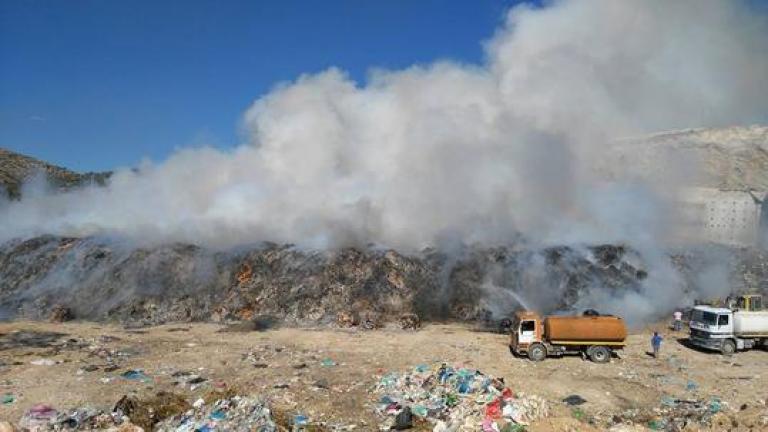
(286, 366)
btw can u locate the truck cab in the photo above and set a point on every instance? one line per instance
(742, 325)
(526, 330)
(710, 326)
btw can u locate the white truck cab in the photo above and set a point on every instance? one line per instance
(744, 325)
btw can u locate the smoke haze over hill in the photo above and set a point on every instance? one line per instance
(475, 153)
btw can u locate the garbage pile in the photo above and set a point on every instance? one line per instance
(44, 418)
(452, 398)
(675, 414)
(234, 414)
(366, 287)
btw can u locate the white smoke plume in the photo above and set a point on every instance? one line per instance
(448, 151)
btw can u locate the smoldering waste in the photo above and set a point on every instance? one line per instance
(62, 278)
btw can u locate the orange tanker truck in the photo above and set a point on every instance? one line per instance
(593, 335)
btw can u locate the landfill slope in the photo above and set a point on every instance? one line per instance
(61, 278)
(96, 279)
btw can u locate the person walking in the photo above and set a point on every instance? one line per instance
(656, 343)
(678, 316)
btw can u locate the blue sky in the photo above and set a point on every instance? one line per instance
(92, 85)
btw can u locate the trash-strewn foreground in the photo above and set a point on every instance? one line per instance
(85, 376)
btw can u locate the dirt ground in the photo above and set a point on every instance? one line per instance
(290, 368)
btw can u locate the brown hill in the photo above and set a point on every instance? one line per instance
(15, 169)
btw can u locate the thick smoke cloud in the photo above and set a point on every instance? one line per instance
(448, 152)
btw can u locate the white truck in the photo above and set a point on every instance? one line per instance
(742, 325)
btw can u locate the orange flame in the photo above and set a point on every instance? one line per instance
(245, 274)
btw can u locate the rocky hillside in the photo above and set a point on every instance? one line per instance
(15, 169)
(726, 158)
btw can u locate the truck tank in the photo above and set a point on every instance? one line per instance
(747, 323)
(585, 329)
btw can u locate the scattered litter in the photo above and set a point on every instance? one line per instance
(322, 383)
(675, 413)
(37, 417)
(300, 420)
(218, 415)
(235, 414)
(327, 362)
(574, 400)
(715, 406)
(404, 419)
(135, 375)
(43, 362)
(578, 413)
(8, 399)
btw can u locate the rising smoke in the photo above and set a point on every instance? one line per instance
(448, 152)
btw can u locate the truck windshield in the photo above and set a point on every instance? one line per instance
(528, 326)
(708, 318)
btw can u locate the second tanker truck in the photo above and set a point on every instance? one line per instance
(596, 336)
(742, 325)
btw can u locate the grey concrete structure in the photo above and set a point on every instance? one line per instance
(729, 217)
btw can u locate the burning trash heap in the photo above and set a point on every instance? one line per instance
(454, 398)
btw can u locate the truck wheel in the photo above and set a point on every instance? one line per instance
(537, 352)
(600, 354)
(728, 347)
